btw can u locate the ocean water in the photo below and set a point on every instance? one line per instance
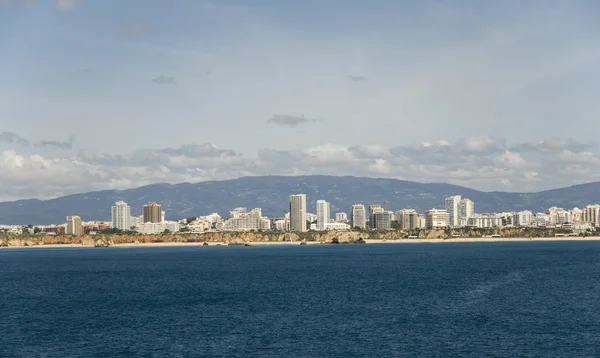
(526, 299)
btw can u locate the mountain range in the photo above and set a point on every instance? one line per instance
(271, 193)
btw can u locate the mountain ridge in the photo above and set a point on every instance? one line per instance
(271, 193)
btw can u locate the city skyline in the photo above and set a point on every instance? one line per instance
(299, 178)
(298, 219)
(381, 219)
(492, 96)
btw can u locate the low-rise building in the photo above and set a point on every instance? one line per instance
(337, 226)
(247, 221)
(489, 220)
(150, 228)
(437, 219)
(341, 217)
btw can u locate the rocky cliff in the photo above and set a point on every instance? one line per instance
(240, 238)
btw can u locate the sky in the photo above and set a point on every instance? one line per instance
(112, 94)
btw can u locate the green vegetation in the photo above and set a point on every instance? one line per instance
(115, 231)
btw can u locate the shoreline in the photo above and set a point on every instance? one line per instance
(293, 243)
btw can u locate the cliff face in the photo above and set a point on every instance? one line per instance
(222, 237)
(250, 237)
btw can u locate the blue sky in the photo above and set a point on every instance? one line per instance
(297, 87)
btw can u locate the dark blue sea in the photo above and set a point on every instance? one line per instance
(525, 299)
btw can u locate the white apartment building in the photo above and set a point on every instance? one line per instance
(466, 209)
(150, 228)
(422, 221)
(341, 217)
(237, 212)
(452, 204)
(576, 215)
(172, 226)
(310, 217)
(591, 214)
(213, 218)
(199, 225)
(121, 216)
(437, 218)
(323, 214)
(359, 216)
(248, 221)
(485, 220)
(282, 225)
(135, 221)
(298, 213)
(523, 218)
(559, 216)
(337, 226)
(543, 220)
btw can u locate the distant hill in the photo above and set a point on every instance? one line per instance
(271, 193)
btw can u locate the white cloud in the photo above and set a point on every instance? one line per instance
(481, 163)
(511, 160)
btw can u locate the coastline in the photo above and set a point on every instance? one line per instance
(288, 243)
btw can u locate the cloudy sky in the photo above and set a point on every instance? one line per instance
(493, 95)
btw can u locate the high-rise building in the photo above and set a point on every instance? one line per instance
(523, 218)
(341, 217)
(382, 220)
(452, 204)
(591, 214)
(576, 215)
(374, 208)
(408, 219)
(436, 218)
(323, 214)
(74, 226)
(466, 210)
(359, 216)
(121, 216)
(559, 216)
(152, 213)
(298, 213)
